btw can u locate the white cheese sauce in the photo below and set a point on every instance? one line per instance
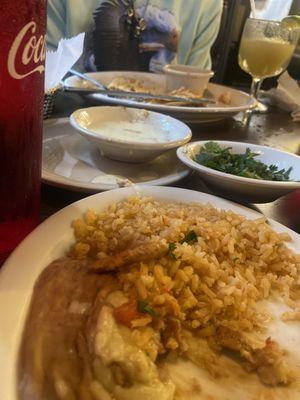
(136, 131)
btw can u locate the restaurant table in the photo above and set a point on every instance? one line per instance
(275, 128)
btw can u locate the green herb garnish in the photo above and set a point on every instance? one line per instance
(190, 237)
(172, 247)
(143, 307)
(213, 156)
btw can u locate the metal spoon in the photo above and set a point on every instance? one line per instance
(89, 79)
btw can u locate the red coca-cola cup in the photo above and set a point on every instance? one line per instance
(22, 56)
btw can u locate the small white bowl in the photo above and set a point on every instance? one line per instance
(238, 187)
(121, 133)
(187, 76)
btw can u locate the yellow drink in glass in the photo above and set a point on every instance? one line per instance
(263, 57)
(266, 49)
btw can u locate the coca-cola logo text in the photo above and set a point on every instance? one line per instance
(27, 52)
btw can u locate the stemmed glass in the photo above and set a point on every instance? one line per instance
(266, 49)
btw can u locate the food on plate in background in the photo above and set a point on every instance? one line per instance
(131, 85)
(225, 98)
(184, 92)
(138, 85)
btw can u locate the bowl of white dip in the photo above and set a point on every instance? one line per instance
(130, 134)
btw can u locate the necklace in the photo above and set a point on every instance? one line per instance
(135, 23)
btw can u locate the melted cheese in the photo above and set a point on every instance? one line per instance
(113, 347)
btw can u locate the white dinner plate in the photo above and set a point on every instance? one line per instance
(240, 101)
(50, 241)
(71, 162)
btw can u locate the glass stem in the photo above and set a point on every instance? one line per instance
(255, 86)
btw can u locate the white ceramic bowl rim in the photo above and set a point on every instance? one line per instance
(187, 70)
(141, 145)
(182, 153)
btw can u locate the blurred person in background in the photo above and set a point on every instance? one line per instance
(137, 34)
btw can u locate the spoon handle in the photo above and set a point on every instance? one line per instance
(88, 78)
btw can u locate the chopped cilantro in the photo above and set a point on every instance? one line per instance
(172, 247)
(190, 237)
(143, 307)
(212, 155)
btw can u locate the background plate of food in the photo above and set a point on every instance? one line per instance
(149, 298)
(229, 101)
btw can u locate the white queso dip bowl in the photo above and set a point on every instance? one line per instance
(130, 134)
